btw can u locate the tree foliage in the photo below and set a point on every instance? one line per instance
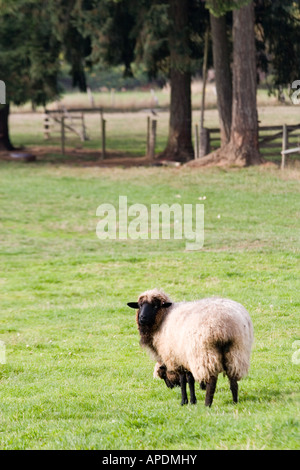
(278, 39)
(112, 27)
(157, 37)
(29, 59)
(75, 47)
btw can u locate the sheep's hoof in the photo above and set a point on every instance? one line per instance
(184, 401)
(193, 401)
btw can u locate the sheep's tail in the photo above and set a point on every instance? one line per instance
(224, 349)
(235, 361)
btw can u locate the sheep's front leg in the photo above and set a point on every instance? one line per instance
(191, 382)
(182, 378)
(210, 390)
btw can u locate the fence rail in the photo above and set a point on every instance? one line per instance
(270, 140)
(54, 120)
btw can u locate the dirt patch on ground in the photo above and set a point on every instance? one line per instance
(79, 157)
(89, 158)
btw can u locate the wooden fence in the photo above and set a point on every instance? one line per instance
(56, 120)
(62, 120)
(273, 140)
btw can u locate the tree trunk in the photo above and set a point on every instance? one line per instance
(221, 59)
(242, 149)
(179, 146)
(5, 143)
(244, 128)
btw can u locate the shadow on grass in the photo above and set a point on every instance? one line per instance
(262, 395)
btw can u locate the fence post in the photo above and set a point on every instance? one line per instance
(46, 126)
(63, 135)
(91, 98)
(103, 137)
(148, 136)
(152, 141)
(204, 147)
(83, 132)
(196, 141)
(285, 144)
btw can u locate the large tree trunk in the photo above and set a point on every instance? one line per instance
(242, 149)
(221, 57)
(179, 146)
(5, 143)
(244, 128)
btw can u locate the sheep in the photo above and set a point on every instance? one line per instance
(203, 337)
(174, 379)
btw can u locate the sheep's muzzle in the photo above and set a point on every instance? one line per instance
(147, 314)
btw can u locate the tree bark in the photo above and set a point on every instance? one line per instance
(179, 146)
(5, 143)
(221, 59)
(243, 148)
(244, 128)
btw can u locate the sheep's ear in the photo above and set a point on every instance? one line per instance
(133, 305)
(166, 304)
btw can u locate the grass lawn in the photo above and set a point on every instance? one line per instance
(75, 376)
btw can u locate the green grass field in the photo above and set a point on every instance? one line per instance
(75, 376)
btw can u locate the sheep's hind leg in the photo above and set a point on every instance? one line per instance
(184, 398)
(191, 382)
(210, 390)
(234, 387)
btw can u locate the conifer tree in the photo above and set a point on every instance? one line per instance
(28, 60)
(33, 36)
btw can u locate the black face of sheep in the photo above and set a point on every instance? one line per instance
(147, 311)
